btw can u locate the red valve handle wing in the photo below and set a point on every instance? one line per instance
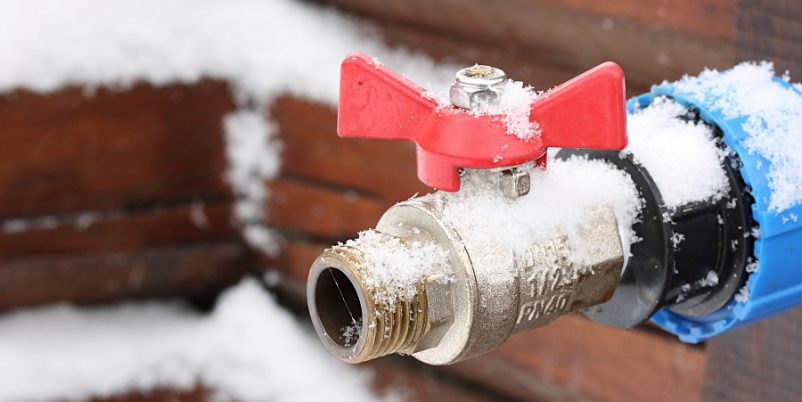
(587, 111)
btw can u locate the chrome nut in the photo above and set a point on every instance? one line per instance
(514, 183)
(476, 85)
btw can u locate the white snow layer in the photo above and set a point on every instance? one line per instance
(252, 153)
(248, 349)
(513, 108)
(263, 48)
(559, 200)
(681, 156)
(393, 270)
(774, 124)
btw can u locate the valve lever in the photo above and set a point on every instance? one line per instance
(587, 111)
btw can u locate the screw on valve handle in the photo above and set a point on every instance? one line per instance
(587, 111)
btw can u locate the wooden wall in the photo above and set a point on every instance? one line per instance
(109, 183)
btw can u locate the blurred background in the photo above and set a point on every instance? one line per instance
(154, 154)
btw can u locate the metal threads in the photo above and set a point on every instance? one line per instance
(397, 328)
(385, 329)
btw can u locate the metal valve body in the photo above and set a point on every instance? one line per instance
(494, 292)
(493, 289)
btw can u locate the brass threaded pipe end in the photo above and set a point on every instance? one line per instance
(354, 321)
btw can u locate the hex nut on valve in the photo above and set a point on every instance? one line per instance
(476, 85)
(514, 183)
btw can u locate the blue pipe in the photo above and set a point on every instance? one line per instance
(776, 286)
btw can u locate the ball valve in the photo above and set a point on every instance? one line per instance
(450, 275)
(375, 102)
(420, 284)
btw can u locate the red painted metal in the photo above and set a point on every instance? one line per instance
(587, 111)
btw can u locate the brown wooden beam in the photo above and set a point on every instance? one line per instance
(771, 30)
(68, 151)
(652, 40)
(196, 271)
(761, 362)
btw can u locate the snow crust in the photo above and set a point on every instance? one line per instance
(263, 48)
(710, 280)
(559, 200)
(512, 108)
(247, 349)
(393, 269)
(682, 157)
(80, 221)
(252, 153)
(774, 123)
(743, 294)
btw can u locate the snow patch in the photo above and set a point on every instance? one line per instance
(774, 123)
(393, 269)
(676, 239)
(351, 332)
(81, 221)
(253, 158)
(560, 193)
(197, 215)
(512, 108)
(710, 280)
(743, 294)
(18, 225)
(247, 349)
(682, 157)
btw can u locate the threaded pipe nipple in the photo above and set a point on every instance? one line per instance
(357, 322)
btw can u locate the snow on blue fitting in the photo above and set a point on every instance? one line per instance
(777, 284)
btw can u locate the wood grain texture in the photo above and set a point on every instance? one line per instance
(196, 271)
(576, 35)
(708, 19)
(771, 30)
(609, 364)
(313, 152)
(761, 362)
(320, 212)
(67, 152)
(122, 230)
